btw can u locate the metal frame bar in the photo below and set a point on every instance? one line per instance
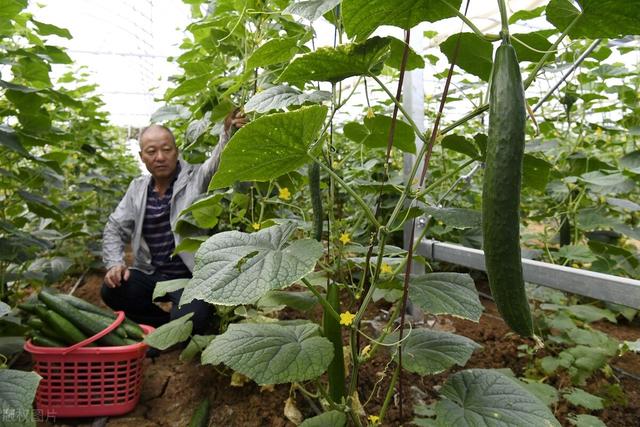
(604, 287)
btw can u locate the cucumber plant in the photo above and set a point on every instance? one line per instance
(255, 54)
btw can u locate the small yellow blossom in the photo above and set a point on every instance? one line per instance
(374, 419)
(370, 113)
(346, 318)
(365, 351)
(598, 131)
(385, 268)
(255, 226)
(345, 238)
(284, 194)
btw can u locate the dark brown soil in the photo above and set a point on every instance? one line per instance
(172, 389)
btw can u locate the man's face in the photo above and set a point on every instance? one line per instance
(159, 153)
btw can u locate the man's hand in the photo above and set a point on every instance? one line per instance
(234, 121)
(115, 275)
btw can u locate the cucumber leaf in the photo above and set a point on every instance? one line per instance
(596, 19)
(336, 64)
(362, 17)
(233, 268)
(282, 96)
(330, 418)
(269, 147)
(484, 397)
(446, 293)
(375, 133)
(272, 353)
(311, 9)
(474, 55)
(428, 352)
(170, 333)
(17, 391)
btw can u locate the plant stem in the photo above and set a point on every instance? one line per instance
(404, 112)
(527, 82)
(392, 386)
(504, 19)
(349, 190)
(323, 301)
(470, 24)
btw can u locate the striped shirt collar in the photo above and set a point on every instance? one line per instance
(152, 181)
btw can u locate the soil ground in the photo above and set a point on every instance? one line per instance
(173, 389)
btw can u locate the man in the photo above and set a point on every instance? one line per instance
(145, 217)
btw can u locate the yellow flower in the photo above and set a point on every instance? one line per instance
(346, 318)
(284, 194)
(598, 131)
(385, 268)
(374, 419)
(370, 113)
(365, 351)
(255, 226)
(345, 238)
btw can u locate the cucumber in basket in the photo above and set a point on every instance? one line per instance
(133, 329)
(63, 328)
(79, 319)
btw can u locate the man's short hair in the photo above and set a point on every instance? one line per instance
(155, 126)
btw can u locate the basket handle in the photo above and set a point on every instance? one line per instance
(117, 321)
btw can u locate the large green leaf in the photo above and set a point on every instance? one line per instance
(394, 60)
(10, 8)
(170, 333)
(170, 112)
(330, 418)
(602, 183)
(164, 287)
(39, 205)
(428, 352)
(50, 29)
(525, 43)
(272, 353)
(339, 63)
(631, 161)
(270, 146)
(17, 391)
(302, 301)
(446, 293)
(206, 211)
(579, 397)
(282, 96)
(311, 9)
(362, 17)
(584, 420)
(375, 133)
(49, 270)
(10, 140)
(455, 217)
(274, 51)
(484, 397)
(535, 172)
(597, 18)
(474, 54)
(238, 268)
(33, 70)
(462, 145)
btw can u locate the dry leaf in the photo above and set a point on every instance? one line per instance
(292, 413)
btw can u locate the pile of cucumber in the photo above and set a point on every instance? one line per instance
(60, 320)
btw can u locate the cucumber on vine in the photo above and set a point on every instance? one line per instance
(501, 191)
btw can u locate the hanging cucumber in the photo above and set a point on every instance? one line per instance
(501, 191)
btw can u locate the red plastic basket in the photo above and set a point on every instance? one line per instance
(79, 381)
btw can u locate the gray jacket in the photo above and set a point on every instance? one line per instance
(125, 223)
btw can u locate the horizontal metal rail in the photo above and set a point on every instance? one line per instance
(604, 287)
